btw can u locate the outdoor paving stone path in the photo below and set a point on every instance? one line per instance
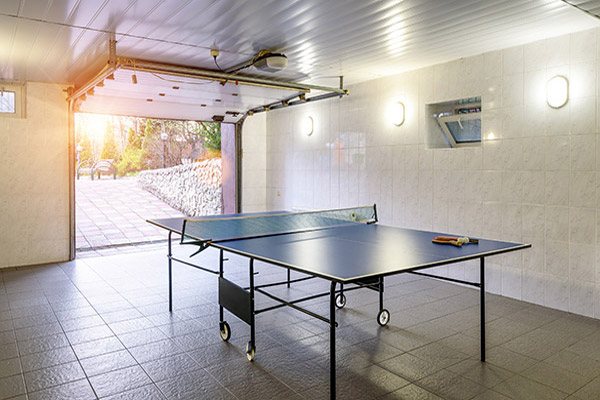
(114, 212)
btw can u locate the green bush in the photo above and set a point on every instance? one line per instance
(131, 161)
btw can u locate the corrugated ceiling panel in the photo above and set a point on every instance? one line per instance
(9, 6)
(360, 39)
(36, 9)
(591, 6)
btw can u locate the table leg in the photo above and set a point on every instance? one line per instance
(380, 287)
(288, 276)
(482, 305)
(251, 347)
(332, 341)
(220, 275)
(169, 256)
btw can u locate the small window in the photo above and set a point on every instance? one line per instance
(12, 100)
(461, 129)
(455, 123)
(7, 102)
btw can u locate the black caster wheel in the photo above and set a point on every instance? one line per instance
(383, 317)
(340, 301)
(250, 351)
(224, 330)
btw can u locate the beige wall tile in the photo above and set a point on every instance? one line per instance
(35, 180)
(535, 182)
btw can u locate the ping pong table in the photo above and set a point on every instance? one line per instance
(346, 247)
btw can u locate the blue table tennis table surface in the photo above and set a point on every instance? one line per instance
(352, 251)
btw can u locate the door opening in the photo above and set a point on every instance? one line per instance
(130, 169)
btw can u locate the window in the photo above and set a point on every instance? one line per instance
(461, 129)
(455, 123)
(12, 100)
(7, 102)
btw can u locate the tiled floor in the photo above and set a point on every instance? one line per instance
(99, 328)
(114, 212)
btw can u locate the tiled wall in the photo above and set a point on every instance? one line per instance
(34, 180)
(535, 182)
(254, 164)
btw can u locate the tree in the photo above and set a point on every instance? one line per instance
(134, 139)
(211, 134)
(109, 145)
(131, 160)
(86, 148)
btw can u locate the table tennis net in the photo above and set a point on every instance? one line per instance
(243, 227)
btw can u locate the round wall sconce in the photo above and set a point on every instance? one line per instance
(397, 113)
(308, 126)
(557, 91)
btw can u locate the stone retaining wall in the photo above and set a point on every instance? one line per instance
(194, 189)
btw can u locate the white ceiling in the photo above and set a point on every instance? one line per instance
(66, 41)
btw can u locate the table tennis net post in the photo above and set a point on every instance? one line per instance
(201, 231)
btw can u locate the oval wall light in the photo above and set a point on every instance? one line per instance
(397, 113)
(557, 91)
(308, 125)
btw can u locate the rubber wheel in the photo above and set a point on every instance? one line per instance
(340, 300)
(250, 351)
(224, 330)
(383, 317)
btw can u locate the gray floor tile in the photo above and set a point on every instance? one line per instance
(540, 343)
(148, 392)
(490, 395)
(591, 391)
(556, 377)
(464, 344)
(210, 355)
(75, 324)
(53, 376)
(154, 351)
(47, 359)
(411, 392)
(10, 367)
(80, 390)
(587, 347)
(27, 322)
(581, 365)
(509, 360)
(7, 337)
(450, 386)
(409, 367)
(379, 381)
(107, 362)
(43, 344)
(8, 351)
(118, 381)
(98, 347)
(440, 355)
(11, 386)
(37, 331)
(89, 334)
(167, 367)
(483, 373)
(376, 351)
(195, 384)
(519, 387)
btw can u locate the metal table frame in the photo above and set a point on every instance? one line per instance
(240, 301)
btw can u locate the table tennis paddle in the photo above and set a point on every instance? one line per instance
(454, 240)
